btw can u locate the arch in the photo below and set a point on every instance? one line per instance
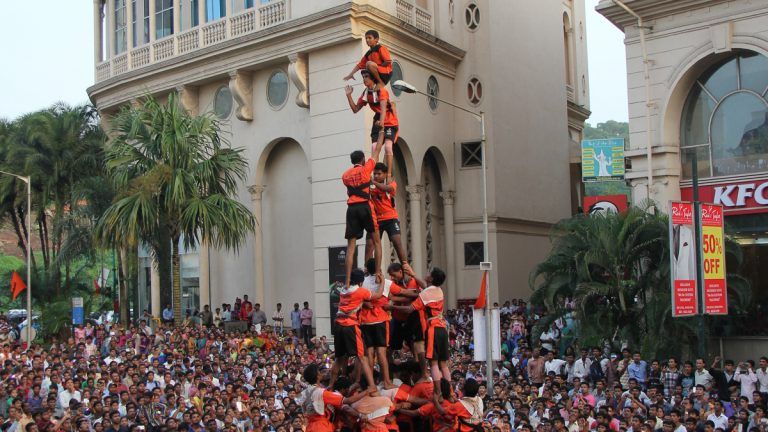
(442, 165)
(407, 161)
(261, 161)
(684, 75)
(287, 225)
(433, 173)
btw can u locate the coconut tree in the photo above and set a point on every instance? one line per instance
(175, 177)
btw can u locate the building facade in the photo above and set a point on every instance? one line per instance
(707, 99)
(272, 70)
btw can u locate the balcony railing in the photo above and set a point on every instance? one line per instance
(250, 21)
(414, 15)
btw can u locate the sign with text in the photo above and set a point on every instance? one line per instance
(713, 257)
(682, 247)
(78, 312)
(602, 159)
(740, 197)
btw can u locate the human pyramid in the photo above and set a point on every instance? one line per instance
(363, 329)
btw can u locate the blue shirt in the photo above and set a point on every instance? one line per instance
(167, 314)
(296, 319)
(638, 371)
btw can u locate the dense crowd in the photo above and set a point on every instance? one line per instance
(154, 376)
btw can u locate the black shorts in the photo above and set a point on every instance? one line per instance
(390, 132)
(414, 327)
(437, 344)
(390, 226)
(348, 341)
(375, 335)
(385, 77)
(360, 219)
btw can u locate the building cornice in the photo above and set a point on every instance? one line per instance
(275, 45)
(649, 9)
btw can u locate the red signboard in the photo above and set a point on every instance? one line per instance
(742, 197)
(682, 246)
(715, 291)
(596, 204)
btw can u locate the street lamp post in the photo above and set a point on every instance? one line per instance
(486, 265)
(28, 181)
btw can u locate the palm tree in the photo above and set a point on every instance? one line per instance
(175, 177)
(616, 268)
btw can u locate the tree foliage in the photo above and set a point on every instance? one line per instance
(616, 269)
(608, 129)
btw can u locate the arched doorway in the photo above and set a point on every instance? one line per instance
(287, 227)
(432, 214)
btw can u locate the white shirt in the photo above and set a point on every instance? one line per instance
(554, 365)
(581, 368)
(66, 396)
(762, 379)
(703, 378)
(720, 421)
(748, 381)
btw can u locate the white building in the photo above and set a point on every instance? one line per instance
(707, 96)
(274, 70)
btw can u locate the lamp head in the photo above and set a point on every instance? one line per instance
(403, 86)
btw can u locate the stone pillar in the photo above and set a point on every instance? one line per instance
(152, 23)
(177, 19)
(154, 289)
(110, 29)
(128, 28)
(98, 33)
(204, 274)
(450, 248)
(417, 246)
(258, 243)
(200, 13)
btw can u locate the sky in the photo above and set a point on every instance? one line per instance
(49, 58)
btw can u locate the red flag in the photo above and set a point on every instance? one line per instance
(17, 285)
(480, 302)
(96, 287)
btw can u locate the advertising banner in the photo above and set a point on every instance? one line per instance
(713, 257)
(78, 312)
(602, 159)
(479, 334)
(736, 197)
(605, 203)
(682, 247)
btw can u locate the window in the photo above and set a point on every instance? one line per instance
(397, 74)
(222, 103)
(215, 9)
(121, 42)
(725, 118)
(163, 18)
(277, 89)
(248, 4)
(472, 16)
(146, 21)
(433, 89)
(473, 253)
(193, 11)
(134, 23)
(471, 154)
(474, 91)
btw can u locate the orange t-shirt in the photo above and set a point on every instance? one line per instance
(429, 303)
(350, 302)
(376, 313)
(384, 202)
(373, 99)
(358, 182)
(411, 285)
(439, 422)
(380, 55)
(321, 423)
(423, 390)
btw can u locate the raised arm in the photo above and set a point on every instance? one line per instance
(354, 106)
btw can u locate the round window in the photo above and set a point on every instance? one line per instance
(472, 16)
(433, 90)
(277, 89)
(474, 91)
(397, 74)
(725, 118)
(222, 103)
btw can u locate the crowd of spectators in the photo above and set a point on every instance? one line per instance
(152, 375)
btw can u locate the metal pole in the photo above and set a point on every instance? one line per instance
(486, 258)
(29, 262)
(700, 330)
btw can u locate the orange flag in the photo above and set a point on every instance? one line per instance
(17, 285)
(480, 302)
(96, 287)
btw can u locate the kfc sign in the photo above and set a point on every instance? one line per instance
(736, 198)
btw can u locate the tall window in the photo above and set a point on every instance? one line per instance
(725, 118)
(163, 18)
(248, 4)
(215, 9)
(146, 21)
(121, 42)
(194, 17)
(134, 23)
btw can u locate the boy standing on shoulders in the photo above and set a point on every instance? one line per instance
(377, 61)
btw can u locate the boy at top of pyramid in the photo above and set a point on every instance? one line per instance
(377, 61)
